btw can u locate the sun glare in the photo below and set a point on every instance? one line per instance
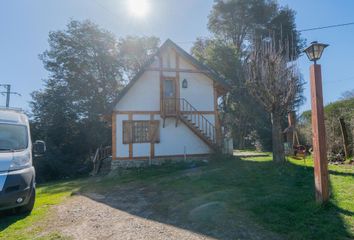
(138, 8)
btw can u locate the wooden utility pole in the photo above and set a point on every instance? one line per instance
(319, 135)
(8, 93)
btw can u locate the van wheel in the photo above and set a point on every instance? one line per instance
(29, 206)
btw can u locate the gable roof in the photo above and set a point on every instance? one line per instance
(168, 43)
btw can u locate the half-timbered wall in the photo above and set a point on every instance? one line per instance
(142, 102)
(144, 95)
(173, 140)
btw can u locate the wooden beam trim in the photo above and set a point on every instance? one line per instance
(201, 112)
(134, 158)
(152, 144)
(206, 72)
(168, 78)
(161, 86)
(156, 69)
(182, 155)
(217, 117)
(164, 156)
(221, 89)
(137, 112)
(114, 135)
(130, 117)
(178, 95)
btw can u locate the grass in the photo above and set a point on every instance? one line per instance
(222, 198)
(18, 227)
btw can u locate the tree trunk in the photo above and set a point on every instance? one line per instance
(277, 138)
(344, 137)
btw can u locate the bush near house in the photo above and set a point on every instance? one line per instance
(333, 111)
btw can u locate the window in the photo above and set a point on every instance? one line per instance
(141, 132)
(13, 137)
(169, 88)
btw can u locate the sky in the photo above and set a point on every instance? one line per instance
(24, 28)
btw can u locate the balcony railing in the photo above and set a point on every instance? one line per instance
(182, 108)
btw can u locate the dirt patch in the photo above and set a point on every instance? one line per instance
(84, 218)
(136, 211)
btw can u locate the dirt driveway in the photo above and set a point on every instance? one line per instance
(137, 212)
(84, 218)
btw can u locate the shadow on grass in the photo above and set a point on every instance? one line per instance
(225, 199)
(344, 211)
(9, 217)
(46, 195)
(333, 172)
(228, 199)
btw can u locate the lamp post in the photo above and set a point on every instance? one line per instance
(314, 53)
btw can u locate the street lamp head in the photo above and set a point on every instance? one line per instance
(315, 50)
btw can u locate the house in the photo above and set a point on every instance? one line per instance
(169, 110)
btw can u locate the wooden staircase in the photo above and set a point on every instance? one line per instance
(102, 161)
(190, 116)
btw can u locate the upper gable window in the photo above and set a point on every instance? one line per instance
(168, 60)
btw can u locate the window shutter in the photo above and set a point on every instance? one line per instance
(155, 131)
(141, 131)
(127, 132)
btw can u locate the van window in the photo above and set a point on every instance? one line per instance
(13, 137)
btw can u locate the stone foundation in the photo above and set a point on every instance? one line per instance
(145, 163)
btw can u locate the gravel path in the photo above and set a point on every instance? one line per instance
(83, 218)
(138, 211)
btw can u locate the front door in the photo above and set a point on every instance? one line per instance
(169, 96)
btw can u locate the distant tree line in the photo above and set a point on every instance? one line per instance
(339, 143)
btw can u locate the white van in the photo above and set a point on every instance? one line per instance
(17, 174)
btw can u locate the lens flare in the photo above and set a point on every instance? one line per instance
(138, 8)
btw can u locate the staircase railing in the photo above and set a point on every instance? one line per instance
(100, 154)
(173, 107)
(191, 114)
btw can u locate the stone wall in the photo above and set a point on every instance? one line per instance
(145, 163)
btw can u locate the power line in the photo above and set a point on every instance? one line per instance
(106, 8)
(324, 27)
(8, 93)
(336, 81)
(188, 42)
(303, 30)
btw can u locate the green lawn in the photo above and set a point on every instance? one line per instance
(18, 227)
(217, 197)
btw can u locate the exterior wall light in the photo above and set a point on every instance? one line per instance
(184, 83)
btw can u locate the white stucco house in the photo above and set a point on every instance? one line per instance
(170, 109)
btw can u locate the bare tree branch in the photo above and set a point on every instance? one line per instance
(275, 82)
